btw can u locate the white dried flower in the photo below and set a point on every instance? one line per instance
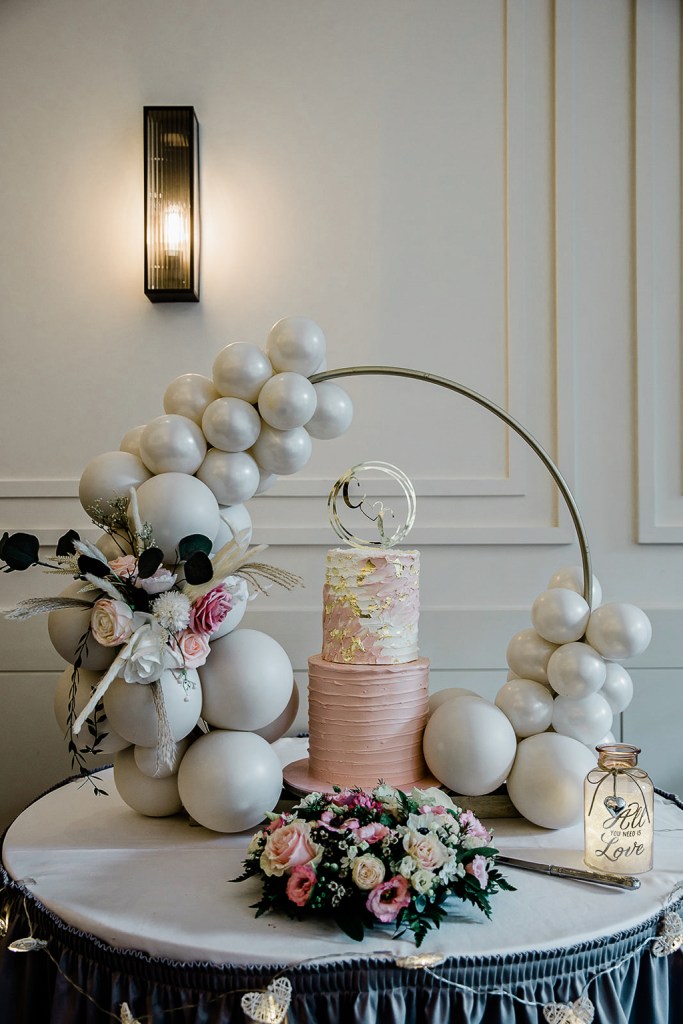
(172, 611)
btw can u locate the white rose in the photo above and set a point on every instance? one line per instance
(367, 872)
(427, 851)
(148, 655)
(422, 881)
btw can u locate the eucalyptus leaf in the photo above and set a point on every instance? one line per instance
(149, 561)
(194, 542)
(20, 551)
(65, 544)
(198, 568)
(93, 567)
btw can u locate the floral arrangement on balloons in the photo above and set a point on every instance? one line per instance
(158, 672)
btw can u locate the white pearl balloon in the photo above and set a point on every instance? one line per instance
(560, 615)
(448, 693)
(131, 711)
(576, 669)
(266, 480)
(231, 424)
(469, 745)
(287, 400)
(282, 451)
(528, 655)
(283, 722)
(189, 395)
(87, 681)
(155, 798)
(619, 631)
(527, 704)
(130, 442)
(609, 737)
(296, 343)
(177, 505)
(235, 522)
(546, 780)
(570, 577)
(240, 371)
(172, 444)
(247, 681)
(232, 477)
(228, 781)
(585, 719)
(108, 476)
(66, 627)
(333, 413)
(148, 761)
(618, 687)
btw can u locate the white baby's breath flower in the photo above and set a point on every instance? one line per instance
(172, 611)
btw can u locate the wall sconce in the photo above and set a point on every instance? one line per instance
(171, 204)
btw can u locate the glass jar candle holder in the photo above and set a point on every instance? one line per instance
(618, 812)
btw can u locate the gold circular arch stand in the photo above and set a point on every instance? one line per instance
(451, 385)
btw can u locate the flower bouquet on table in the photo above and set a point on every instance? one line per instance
(367, 858)
(149, 620)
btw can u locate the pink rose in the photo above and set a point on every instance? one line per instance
(124, 565)
(371, 833)
(300, 884)
(426, 850)
(111, 622)
(473, 827)
(387, 900)
(209, 610)
(289, 847)
(193, 647)
(477, 867)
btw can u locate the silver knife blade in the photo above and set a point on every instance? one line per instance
(578, 874)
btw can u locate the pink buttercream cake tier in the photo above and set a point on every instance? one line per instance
(366, 723)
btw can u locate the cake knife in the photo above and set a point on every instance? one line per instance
(578, 874)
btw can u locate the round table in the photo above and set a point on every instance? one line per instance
(142, 911)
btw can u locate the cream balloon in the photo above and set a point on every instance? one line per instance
(67, 627)
(228, 781)
(189, 395)
(130, 707)
(266, 480)
(130, 442)
(545, 783)
(333, 412)
(172, 444)
(232, 477)
(235, 522)
(469, 745)
(247, 681)
(560, 615)
(619, 631)
(177, 505)
(113, 547)
(448, 693)
(283, 722)
(150, 763)
(155, 798)
(527, 704)
(87, 681)
(585, 719)
(570, 577)
(609, 737)
(576, 669)
(282, 451)
(528, 655)
(108, 476)
(240, 371)
(287, 400)
(296, 343)
(617, 688)
(231, 424)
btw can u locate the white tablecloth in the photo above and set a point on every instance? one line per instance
(162, 886)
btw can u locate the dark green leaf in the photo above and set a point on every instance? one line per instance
(93, 567)
(198, 568)
(149, 561)
(195, 542)
(353, 926)
(65, 544)
(20, 551)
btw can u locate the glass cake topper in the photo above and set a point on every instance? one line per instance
(354, 497)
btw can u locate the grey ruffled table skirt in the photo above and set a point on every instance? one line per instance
(79, 978)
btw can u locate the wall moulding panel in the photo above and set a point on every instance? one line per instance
(659, 270)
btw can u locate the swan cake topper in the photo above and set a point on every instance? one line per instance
(354, 497)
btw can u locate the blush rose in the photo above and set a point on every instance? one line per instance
(193, 647)
(111, 622)
(209, 611)
(289, 847)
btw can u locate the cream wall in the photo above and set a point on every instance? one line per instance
(489, 191)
